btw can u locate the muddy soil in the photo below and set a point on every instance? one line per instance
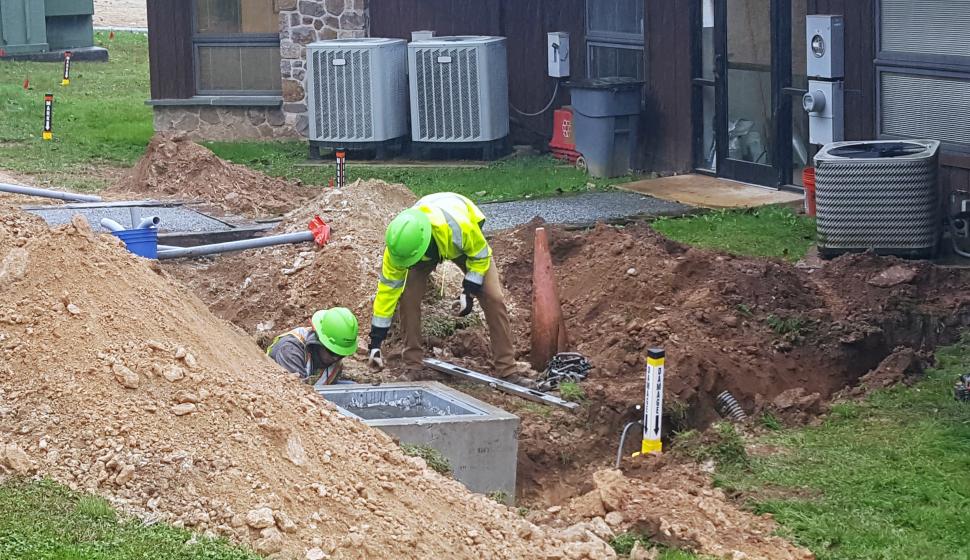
(115, 380)
(776, 336)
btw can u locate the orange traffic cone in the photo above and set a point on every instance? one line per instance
(549, 335)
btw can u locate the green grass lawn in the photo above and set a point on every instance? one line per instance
(46, 521)
(505, 180)
(883, 479)
(771, 231)
(99, 120)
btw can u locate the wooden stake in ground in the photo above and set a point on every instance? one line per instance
(549, 335)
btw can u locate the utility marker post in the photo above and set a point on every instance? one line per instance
(654, 399)
(48, 116)
(66, 81)
(341, 168)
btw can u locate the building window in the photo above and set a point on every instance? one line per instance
(923, 70)
(614, 38)
(237, 47)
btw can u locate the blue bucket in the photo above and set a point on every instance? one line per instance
(142, 242)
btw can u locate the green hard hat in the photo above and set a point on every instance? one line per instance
(337, 330)
(408, 236)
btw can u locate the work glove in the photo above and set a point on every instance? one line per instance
(466, 301)
(374, 357)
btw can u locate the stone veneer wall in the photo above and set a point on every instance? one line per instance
(301, 22)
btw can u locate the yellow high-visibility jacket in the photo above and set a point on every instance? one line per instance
(456, 230)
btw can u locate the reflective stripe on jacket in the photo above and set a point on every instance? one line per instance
(290, 356)
(456, 231)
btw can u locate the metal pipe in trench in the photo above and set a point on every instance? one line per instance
(46, 193)
(216, 248)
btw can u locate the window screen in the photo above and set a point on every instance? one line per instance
(922, 106)
(239, 68)
(606, 61)
(612, 17)
(926, 27)
(237, 47)
(614, 38)
(235, 17)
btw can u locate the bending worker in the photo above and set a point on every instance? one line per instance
(443, 226)
(315, 353)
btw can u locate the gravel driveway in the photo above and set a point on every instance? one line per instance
(120, 13)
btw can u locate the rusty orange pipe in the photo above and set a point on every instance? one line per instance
(549, 335)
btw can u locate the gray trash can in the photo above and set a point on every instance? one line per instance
(605, 116)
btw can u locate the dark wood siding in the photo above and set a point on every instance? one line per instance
(170, 49)
(665, 132)
(860, 71)
(525, 24)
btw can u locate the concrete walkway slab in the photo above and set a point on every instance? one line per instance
(579, 210)
(712, 192)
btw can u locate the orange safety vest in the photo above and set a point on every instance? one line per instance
(326, 375)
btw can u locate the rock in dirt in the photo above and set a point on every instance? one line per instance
(271, 541)
(295, 451)
(15, 460)
(640, 553)
(14, 265)
(797, 398)
(260, 518)
(893, 276)
(183, 409)
(315, 553)
(124, 375)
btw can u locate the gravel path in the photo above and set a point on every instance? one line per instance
(120, 13)
(584, 209)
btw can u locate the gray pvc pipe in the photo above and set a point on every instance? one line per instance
(46, 193)
(111, 225)
(216, 248)
(149, 222)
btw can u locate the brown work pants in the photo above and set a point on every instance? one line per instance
(490, 298)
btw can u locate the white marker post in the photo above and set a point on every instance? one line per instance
(654, 398)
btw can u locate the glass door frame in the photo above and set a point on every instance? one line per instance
(779, 173)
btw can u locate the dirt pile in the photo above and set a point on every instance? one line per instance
(273, 289)
(777, 337)
(116, 380)
(176, 167)
(678, 508)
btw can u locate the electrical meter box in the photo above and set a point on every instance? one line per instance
(23, 28)
(825, 105)
(558, 54)
(825, 44)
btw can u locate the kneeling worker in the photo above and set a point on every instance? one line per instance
(315, 353)
(442, 226)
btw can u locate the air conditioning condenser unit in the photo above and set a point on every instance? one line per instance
(357, 94)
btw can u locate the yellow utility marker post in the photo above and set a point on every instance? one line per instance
(654, 398)
(66, 81)
(48, 116)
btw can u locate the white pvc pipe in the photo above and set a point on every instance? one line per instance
(111, 225)
(46, 193)
(149, 222)
(216, 248)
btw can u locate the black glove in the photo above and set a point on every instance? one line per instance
(377, 336)
(470, 287)
(466, 303)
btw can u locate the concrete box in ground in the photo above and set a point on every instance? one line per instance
(479, 440)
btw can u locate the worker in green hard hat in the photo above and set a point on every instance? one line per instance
(442, 226)
(315, 352)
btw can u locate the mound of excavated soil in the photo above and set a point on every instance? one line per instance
(273, 289)
(175, 167)
(777, 337)
(115, 379)
(678, 508)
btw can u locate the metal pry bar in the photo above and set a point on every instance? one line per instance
(504, 386)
